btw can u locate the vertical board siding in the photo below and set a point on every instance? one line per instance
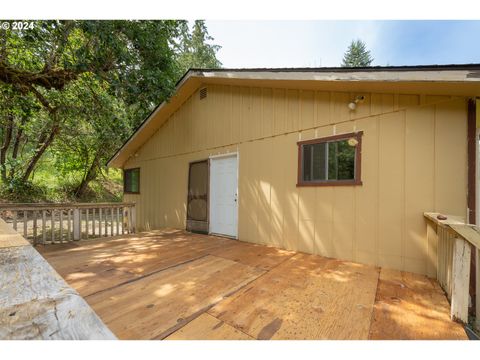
(413, 160)
(419, 182)
(391, 188)
(366, 196)
(450, 157)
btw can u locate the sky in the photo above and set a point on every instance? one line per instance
(274, 43)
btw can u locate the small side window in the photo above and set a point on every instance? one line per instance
(131, 181)
(333, 160)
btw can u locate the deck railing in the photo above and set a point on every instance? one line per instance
(59, 223)
(456, 243)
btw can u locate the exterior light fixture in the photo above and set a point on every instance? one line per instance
(358, 99)
(352, 142)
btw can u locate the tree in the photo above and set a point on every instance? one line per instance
(50, 74)
(194, 49)
(357, 55)
(72, 91)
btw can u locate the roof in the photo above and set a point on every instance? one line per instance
(454, 79)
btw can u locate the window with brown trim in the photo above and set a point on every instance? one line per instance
(330, 161)
(131, 181)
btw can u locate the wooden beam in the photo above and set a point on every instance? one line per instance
(469, 233)
(48, 206)
(448, 221)
(460, 280)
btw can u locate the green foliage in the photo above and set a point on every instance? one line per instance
(341, 160)
(22, 191)
(357, 55)
(71, 92)
(194, 48)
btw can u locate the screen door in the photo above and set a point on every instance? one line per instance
(197, 202)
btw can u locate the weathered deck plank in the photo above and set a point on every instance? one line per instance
(306, 297)
(207, 327)
(157, 305)
(106, 263)
(261, 256)
(411, 306)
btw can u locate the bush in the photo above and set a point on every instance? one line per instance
(19, 191)
(50, 186)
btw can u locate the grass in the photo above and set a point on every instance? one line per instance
(48, 185)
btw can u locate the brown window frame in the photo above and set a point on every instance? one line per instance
(125, 171)
(358, 160)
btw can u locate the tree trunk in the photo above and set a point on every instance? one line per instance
(91, 175)
(5, 146)
(41, 147)
(16, 144)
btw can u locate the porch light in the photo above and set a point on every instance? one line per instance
(352, 142)
(358, 99)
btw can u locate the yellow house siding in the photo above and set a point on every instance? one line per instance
(414, 159)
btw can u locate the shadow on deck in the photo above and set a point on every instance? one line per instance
(170, 284)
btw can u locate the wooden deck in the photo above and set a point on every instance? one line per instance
(174, 285)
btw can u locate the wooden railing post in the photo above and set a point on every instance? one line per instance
(112, 223)
(52, 225)
(69, 224)
(15, 215)
(118, 220)
(25, 222)
(134, 219)
(61, 225)
(106, 221)
(124, 228)
(460, 280)
(93, 223)
(34, 227)
(44, 226)
(100, 222)
(76, 224)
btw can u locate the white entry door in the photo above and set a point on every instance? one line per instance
(223, 195)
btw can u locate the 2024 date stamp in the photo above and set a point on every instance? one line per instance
(17, 25)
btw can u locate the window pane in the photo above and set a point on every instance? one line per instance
(341, 161)
(307, 162)
(332, 161)
(319, 161)
(346, 161)
(134, 180)
(127, 181)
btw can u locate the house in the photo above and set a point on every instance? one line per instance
(341, 162)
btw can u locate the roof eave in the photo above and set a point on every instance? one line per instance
(193, 78)
(116, 160)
